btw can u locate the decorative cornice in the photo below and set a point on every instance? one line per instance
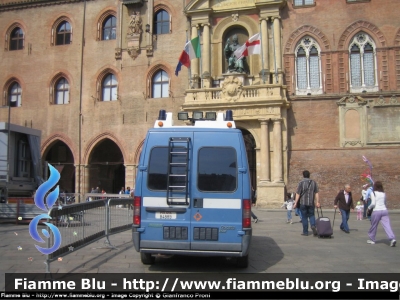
(16, 5)
(353, 143)
(351, 99)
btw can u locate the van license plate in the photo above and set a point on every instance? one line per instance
(166, 215)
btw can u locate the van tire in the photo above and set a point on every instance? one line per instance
(242, 262)
(147, 258)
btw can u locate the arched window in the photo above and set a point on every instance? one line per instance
(16, 39)
(160, 85)
(63, 33)
(14, 95)
(308, 67)
(109, 88)
(109, 28)
(161, 22)
(362, 64)
(62, 91)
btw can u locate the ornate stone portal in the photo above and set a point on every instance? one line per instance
(261, 110)
(244, 85)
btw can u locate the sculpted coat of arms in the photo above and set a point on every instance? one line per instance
(232, 88)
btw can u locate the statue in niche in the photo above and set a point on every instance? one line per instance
(135, 23)
(234, 64)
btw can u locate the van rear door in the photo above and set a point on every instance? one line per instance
(165, 211)
(217, 191)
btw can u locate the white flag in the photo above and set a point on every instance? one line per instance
(252, 46)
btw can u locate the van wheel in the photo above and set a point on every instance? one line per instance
(242, 262)
(147, 258)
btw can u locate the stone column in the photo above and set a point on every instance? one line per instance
(265, 50)
(130, 175)
(84, 188)
(194, 65)
(206, 56)
(277, 43)
(206, 48)
(278, 176)
(264, 151)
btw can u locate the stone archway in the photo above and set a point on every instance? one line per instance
(250, 145)
(60, 156)
(106, 167)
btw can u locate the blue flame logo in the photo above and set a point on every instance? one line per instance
(50, 200)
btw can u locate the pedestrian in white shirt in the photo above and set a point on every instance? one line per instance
(379, 213)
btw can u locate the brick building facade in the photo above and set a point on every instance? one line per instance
(92, 75)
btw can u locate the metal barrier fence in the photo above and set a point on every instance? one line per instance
(79, 224)
(23, 209)
(84, 223)
(69, 198)
(98, 196)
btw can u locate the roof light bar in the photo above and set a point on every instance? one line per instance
(211, 119)
(211, 115)
(183, 116)
(197, 115)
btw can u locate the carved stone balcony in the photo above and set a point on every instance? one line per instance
(248, 101)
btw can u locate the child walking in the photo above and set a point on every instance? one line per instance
(289, 206)
(360, 210)
(297, 210)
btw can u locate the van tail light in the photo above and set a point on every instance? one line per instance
(136, 210)
(246, 213)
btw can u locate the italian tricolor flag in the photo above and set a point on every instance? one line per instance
(191, 51)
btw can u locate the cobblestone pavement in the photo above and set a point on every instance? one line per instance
(277, 247)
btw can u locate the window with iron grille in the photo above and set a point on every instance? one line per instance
(303, 2)
(308, 67)
(362, 60)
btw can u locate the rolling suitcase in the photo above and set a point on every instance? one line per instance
(323, 226)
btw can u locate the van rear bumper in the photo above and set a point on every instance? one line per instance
(193, 252)
(194, 248)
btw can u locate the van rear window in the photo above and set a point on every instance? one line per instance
(217, 169)
(158, 169)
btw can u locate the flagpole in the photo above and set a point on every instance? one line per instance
(201, 59)
(262, 56)
(190, 66)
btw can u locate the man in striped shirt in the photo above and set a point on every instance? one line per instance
(307, 192)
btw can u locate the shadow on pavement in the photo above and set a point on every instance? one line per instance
(264, 253)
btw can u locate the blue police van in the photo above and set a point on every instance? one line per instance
(193, 190)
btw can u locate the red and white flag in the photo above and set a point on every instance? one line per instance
(252, 46)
